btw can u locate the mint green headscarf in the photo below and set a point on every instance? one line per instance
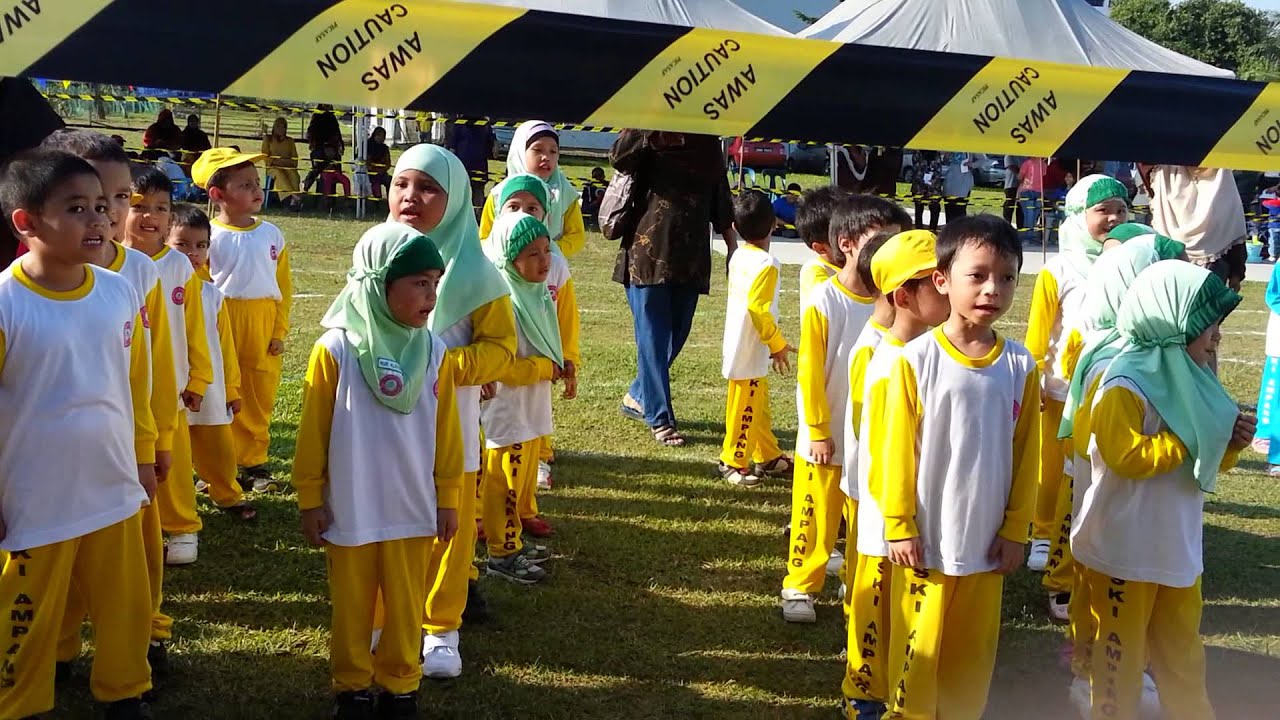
(535, 310)
(1075, 243)
(532, 184)
(1108, 282)
(1170, 304)
(470, 280)
(562, 192)
(393, 357)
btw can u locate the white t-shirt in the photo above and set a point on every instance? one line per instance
(870, 523)
(142, 274)
(845, 316)
(1148, 530)
(213, 409)
(242, 261)
(175, 272)
(745, 356)
(373, 500)
(468, 398)
(863, 350)
(1071, 304)
(517, 413)
(67, 460)
(558, 276)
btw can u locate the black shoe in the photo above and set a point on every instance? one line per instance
(397, 707)
(158, 659)
(248, 475)
(477, 609)
(62, 673)
(353, 706)
(131, 709)
(786, 530)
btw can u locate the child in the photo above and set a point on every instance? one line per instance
(813, 222)
(146, 230)
(903, 270)
(112, 165)
(519, 414)
(1162, 427)
(785, 209)
(1268, 442)
(528, 194)
(212, 448)
(70, 370)
(249, 264)
(1094, 206)
(962, 432)
(832, 323)
(752, 340)
(378, 465)
(535, 148)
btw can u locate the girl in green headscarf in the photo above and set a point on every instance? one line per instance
(431, 192)
(1095, 205)
(519, 414)
(535, 149)
(378, 462)
(1162, 427)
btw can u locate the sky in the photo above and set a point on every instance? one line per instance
(780, 12)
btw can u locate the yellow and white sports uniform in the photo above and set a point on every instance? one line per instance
(1139, 536)
(250, 266)
(751, 336)
(571, 240)
(813, 273)
(381, 475)
(831, 326)
(963, 435)
(73, 366)
(212, 446)
(565, 296)
(193, 371)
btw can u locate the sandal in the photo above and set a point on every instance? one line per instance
(631, 409)
(780, 467)
(737, 476)
(668, 435)
(244, 511)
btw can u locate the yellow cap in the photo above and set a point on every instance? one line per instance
(211, 161)
(905, 256)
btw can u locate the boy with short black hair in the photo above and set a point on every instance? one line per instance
(70, 368)
(813, 222)
(831, 325)
(959, 399)
(249, 264)
(785, 208)
(752, 341)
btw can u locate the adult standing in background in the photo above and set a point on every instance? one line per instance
(282, 163)
(665, 263)
(926, 187)
(1201, 208)
(473, 142)
(1012, 170)
(957, 183)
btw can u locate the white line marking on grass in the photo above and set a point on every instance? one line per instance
(308, 295)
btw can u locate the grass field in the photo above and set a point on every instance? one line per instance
(662, 597)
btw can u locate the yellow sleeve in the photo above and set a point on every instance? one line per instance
(1026, 464)
(144, 422)
(759, 303)
(877, 396)
(487, 216)
(898, 474)
(811, 363)
(448, 470)
(492, 348)
(570, 323)
(574, 237)
(1071, 354)
(1082, 423)
(164, 379)
(1044, 311)
(198, 357)
(284, 278)
(230, 365)
(311, 453)
(857, 374)
(1116, 425)
(810, 277)
(527, 371)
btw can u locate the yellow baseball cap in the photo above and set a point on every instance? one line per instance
(905, 256)
(211, 161)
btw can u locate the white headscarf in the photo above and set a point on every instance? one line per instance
(563, 193)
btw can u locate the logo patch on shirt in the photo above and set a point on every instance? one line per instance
(1017, 410)
(555, 292)
(128, 333)
(435, 388)
(274, 255)
(390, 377)
(179, 295)
(146, 320)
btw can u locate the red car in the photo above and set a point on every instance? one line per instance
(757, 155)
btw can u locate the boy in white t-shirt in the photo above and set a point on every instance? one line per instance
(752, 341)
(813, 222)
(73, 366)
(962, 429)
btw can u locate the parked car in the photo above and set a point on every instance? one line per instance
(908, 172)
(988, 171)
(757, 155)
(809, 159)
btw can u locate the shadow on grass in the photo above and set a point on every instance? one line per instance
(1236, 566)
(1240, 510)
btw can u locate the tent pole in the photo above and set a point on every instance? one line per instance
(1044, 220)
(217, 135)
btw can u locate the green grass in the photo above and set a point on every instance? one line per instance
(662, 597)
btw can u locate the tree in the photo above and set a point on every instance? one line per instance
(807, 19)
(1224, 33)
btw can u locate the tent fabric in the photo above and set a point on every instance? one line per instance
(1062, 31)
(717, 14)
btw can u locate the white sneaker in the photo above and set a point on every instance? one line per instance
(835, 563)
(182, 550)
(544, 476)
(440, 657)
(1058, 605)
(265, 485)
(797, 607)
(1038, 560)
(1081, 698)
(1150, 708)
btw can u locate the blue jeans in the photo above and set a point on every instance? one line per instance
(662, 316)
(1029, 204)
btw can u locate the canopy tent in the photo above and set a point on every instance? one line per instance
(1063, 31)
(718, 14)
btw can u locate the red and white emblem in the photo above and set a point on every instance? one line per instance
(146, 319)
(179, 295)
(274, 255)
(128, 333)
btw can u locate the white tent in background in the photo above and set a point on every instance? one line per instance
(718, 14)
(1064, 31)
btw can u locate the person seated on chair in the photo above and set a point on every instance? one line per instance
(784, 207)
(378, 162)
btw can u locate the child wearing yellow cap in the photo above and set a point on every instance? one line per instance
(249, 264)
(903, 270)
